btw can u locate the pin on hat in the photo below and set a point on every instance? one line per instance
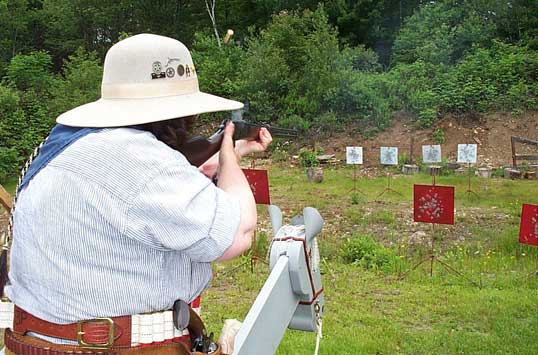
(146, 78)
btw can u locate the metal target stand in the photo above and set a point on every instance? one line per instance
(524, 238)
(254, 257)
(535, 271)
(389, 188)
(355, 189)
(469, 189)
(432, 257)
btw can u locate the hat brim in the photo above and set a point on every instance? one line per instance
(129, 112)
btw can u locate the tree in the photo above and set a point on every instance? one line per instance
(13, 17)
(440, 33)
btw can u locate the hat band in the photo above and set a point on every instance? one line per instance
(149, 90)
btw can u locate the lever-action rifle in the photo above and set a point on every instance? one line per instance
(198, 149)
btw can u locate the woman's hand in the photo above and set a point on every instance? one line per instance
(244, 147)
(227, 153)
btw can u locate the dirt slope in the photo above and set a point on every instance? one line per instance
(491, 133)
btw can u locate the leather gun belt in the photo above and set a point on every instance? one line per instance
(17, 344)
(97, 331)
(105, 336)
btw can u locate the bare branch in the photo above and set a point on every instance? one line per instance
(211, 13)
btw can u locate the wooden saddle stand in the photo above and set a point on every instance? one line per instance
(5, 199)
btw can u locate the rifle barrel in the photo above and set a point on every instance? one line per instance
(279, 132)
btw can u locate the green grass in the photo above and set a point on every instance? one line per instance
(372, 312)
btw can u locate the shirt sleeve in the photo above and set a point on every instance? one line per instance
(180, 209)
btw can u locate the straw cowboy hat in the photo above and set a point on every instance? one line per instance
(146, 78)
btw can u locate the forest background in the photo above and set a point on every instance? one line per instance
(304, 64)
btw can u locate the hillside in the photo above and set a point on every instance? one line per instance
(492, 134)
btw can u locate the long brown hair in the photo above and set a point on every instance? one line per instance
(172, 132)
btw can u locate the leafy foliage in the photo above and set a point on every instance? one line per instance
(79, 84)
(31, 97)
(304, 64)
(364, 251)
(307, 158)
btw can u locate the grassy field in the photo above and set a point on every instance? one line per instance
(491, 309)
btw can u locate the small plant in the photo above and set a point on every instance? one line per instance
(439, 136)
(307, 158)
(364, 251)
(355, 198)
(404, 159)
(279, 155)
(497, 172)
(260, 248)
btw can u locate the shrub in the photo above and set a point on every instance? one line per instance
(438, 136)
(292, 63)
(265, 82)
(30, 71)
(13, 132)
(307, 158)
(79, 83)
(294, 121)
(10, 161)
(427, 117)
(217, 66)
(501, 77)
(412, 87)
(279, 155)
(364, 251)
(328, 122)
(361, 96)
(360, 58)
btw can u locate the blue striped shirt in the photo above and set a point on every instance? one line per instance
(116, 224)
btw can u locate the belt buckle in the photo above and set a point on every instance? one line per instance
(95, 346)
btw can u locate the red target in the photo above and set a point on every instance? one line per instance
(433, 204)
(528, 228)
(259, 184)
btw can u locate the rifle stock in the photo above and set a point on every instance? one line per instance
(198, 149)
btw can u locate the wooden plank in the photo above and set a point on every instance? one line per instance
(524, 140)
(5, 199)
(526, 157)
(513, 143)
